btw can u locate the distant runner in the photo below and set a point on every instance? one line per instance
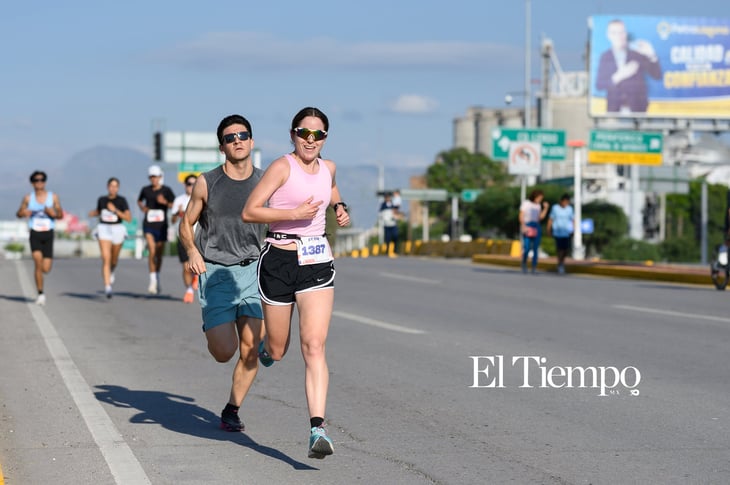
(42, 207)
(190, 280)
(155, 200)
(111, 209)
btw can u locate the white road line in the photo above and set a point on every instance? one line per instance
(692, 316)
(124, 466)
(377, 323)
(415, 279)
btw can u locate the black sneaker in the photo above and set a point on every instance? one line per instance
(231, 422)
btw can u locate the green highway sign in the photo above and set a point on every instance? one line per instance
(625, 147)
(470, 195)
(552, 141)
(196, 167)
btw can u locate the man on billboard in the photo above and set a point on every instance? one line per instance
(622, 71)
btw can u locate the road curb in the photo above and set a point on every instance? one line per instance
(643, 272)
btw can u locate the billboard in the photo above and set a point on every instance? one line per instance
(659, 67)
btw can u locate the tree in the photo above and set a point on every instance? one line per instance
(684, 221)
(459, 169)
(497, 210)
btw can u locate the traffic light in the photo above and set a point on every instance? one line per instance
(158, 146)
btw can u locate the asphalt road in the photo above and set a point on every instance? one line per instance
(441, 372)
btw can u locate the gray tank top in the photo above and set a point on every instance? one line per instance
(221, 236)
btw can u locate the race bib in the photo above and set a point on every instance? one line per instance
(108, 216)
(313, 250)
(155, 215)
(41, 224)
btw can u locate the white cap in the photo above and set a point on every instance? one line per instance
(154, 171)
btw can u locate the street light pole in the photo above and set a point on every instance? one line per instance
(578, 249)
(528, 104)
(528, 41)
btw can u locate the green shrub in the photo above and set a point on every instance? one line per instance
(14, 247)
(630, 250)
(680, 250)
(547, 244)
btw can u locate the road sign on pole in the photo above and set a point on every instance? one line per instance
(524, 158)
(625, 147)
(552, 141)
(434, 195)
(664, 180)
(470, 195)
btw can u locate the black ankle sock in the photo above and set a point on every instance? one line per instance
(230, 408)
(316, 422)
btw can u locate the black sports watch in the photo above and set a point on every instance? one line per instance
(337, 204)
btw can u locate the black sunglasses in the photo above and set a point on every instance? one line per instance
(38, 180)
(241, 135)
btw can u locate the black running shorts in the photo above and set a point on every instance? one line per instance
(281, 278)
(42, 241)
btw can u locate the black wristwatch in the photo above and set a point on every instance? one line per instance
(337, 204)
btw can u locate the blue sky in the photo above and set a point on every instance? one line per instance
(391, 75)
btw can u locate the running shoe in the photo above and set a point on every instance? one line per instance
(41, 300)
(152, 289)
(189, 297)
(264, 356)
(108, 291)
(319, 443)
(231, 422)
(111, 278)
(195, 282)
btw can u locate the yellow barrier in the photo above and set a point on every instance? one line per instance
(450, 249)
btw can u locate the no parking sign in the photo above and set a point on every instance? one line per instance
(525, 158)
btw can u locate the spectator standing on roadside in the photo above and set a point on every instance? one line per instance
(389, 213)
(532, 212)
(560, 226)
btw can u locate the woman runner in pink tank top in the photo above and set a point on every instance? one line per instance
(296, 263)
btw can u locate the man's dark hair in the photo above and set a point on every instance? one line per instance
(232, 120)
(38, 172)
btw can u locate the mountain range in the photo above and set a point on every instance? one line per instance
(81, 180)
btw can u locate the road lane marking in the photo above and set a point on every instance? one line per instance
(124, 466)
(377, 323)
(415, 279)
(657, 311)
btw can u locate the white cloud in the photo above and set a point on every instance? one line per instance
(413, 104)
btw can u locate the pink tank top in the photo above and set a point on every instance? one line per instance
(299, 187)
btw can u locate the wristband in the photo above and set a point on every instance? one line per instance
(337, 204)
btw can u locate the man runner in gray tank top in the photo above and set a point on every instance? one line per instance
(224, 251)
